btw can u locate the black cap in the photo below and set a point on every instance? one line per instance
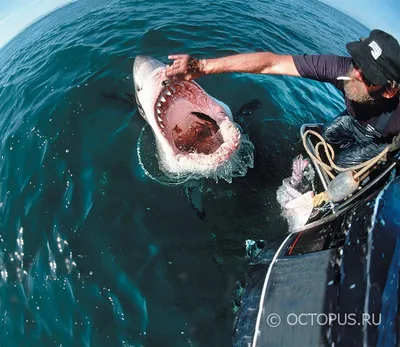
(378, 57)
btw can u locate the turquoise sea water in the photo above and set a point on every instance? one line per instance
(92, 251)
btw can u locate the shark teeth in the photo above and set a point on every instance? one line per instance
(160, 120)
(166, 92)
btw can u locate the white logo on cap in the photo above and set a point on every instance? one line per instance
(376, 50)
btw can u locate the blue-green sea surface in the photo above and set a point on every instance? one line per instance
(93, 252)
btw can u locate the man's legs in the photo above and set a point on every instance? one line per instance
(352, 143)
(358, 154)
(340, 132)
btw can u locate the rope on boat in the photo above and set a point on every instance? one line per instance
(364, 168)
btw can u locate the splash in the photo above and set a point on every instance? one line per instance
(152, 164)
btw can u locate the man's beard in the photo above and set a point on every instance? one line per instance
(355, 90)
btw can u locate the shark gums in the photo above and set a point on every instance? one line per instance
(194, 133)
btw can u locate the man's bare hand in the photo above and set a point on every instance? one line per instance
(184, 67)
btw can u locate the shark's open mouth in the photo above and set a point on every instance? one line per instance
(185, 117)
(194, 132)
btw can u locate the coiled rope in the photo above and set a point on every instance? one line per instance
(330, 155)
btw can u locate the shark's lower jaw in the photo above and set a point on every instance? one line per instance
(193, 123)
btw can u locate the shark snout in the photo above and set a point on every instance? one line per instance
(141, 59)
(145, 65)
(143, 68)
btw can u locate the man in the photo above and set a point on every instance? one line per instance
(369, 80)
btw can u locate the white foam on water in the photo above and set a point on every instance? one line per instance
(171, 169)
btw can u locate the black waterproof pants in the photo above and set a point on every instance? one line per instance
(353, 143)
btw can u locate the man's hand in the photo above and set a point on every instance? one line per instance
(395, 145)
(184, 67)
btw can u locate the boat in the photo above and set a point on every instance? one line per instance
(335, 280)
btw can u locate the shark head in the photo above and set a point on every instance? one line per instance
(194, 132)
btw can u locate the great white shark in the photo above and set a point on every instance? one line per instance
(194, 132)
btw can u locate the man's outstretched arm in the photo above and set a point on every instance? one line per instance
(188, 67)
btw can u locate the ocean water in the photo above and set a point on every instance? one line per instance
(92, 251)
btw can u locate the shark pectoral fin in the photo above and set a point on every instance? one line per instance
(250, 107)
(127, 98)
(193, 191)
(245, 111)
(130, 97)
